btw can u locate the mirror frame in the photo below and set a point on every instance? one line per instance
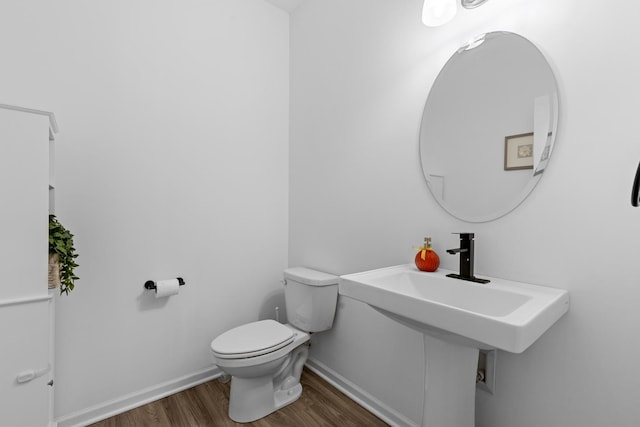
(534, 179)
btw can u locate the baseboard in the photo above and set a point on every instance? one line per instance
(122, 404)
(358, 395)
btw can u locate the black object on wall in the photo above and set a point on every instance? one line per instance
(636, 188)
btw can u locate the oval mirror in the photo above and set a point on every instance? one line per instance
(489, 126)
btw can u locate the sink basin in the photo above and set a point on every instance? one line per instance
(502, 314)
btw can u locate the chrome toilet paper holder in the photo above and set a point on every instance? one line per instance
(150, 284)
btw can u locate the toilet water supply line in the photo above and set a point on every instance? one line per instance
(26, 376)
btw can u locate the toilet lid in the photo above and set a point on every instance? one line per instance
(252, 339)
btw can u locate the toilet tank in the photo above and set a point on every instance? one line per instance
(311, 297)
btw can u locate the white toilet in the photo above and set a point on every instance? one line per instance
(265, 358)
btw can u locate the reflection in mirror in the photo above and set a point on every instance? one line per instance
(489, 126)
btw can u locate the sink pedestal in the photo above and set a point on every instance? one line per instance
(450, 383)
(451, 367)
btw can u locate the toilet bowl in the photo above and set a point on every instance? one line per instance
(265, 358)
(263, 380)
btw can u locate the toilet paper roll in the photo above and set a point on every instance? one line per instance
(165, 288)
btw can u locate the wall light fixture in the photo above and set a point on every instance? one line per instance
(439, 12)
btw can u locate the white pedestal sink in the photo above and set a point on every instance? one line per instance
(457, 319)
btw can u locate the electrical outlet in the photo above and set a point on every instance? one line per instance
(486, 377)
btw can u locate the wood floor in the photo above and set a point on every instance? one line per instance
(321, 405)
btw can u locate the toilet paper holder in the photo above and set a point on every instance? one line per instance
(150, 284)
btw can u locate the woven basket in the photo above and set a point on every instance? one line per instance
(54, 271)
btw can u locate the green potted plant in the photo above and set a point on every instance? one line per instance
(62, 256)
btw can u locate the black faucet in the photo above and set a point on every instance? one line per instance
(466, 259)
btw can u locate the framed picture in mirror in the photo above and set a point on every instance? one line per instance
(518, 152)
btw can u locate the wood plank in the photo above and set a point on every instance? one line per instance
(321, 405)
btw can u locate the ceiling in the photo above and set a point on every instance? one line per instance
(287, 5)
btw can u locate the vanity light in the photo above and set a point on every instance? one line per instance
(439, 12)
(472, 4)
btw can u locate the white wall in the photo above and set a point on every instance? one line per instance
(360, 73)
(172, 161)
(141, 88)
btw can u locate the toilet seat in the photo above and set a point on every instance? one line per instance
(251, 340)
